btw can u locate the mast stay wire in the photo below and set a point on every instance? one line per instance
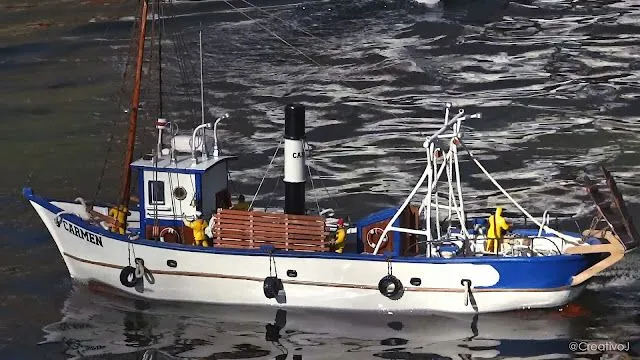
(270, 15)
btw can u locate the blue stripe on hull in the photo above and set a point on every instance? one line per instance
(531, 275)
(540, 272)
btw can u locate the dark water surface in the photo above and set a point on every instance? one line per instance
(556, 82)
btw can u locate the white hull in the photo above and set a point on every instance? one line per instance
(321, 283)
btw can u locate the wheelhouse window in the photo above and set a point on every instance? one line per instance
(156, 192)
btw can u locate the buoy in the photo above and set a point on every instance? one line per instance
(373, 236)
(391, 287)
(271, 286)
(128, 276)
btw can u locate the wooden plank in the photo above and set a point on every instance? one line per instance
(280, 229)
(268, 214)
(273, 240)
(257, 244)
(233, 246)
(293, 247)
(279, 240)
(244, 244)
(616, 251)
(217, 227)
(262, 232)
(234, 220)
(247, 234)
(286, 243)
(247, 230)
(305, 217)
(261, 220)
(309, 239)
(240, 233)
(305, 223)
(297, 247)
(233, 240)
(252, 229)
(247, 216)
(306, 230)
(271, 217)
(235, 224)
(244, 229)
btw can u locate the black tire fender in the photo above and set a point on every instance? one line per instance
(391, 287)
(128, 276)
(271, 286)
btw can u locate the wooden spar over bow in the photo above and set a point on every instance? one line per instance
(133, 113)
(619, 232)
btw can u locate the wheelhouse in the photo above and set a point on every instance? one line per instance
(172, 188)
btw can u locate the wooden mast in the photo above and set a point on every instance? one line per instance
(133, 113)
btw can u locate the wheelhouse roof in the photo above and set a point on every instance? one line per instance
(183, 164)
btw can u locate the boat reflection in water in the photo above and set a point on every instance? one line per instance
(96, 325)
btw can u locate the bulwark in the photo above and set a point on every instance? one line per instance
(83, 234)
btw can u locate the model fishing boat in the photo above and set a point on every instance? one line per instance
(405, 260)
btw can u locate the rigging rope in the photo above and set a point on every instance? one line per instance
(300, 52)
(158, 11)
(275, 187)
(265, 174)
(274, 34)
(359, 60)
(313, 188)
(311, 178)
(179, 46)
(114, 122)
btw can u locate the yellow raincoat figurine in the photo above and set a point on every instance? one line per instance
(241, 205)
(118, 214)
(497, 226)
(341, 235)
(198, 226)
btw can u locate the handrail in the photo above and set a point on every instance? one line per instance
(545, 221)
(215, 134)
(193, 141)
(549, 240)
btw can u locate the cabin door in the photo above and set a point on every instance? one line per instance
(223, 199)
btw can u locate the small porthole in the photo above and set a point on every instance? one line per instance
(180, 193)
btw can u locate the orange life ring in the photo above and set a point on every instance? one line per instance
(373, 236)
